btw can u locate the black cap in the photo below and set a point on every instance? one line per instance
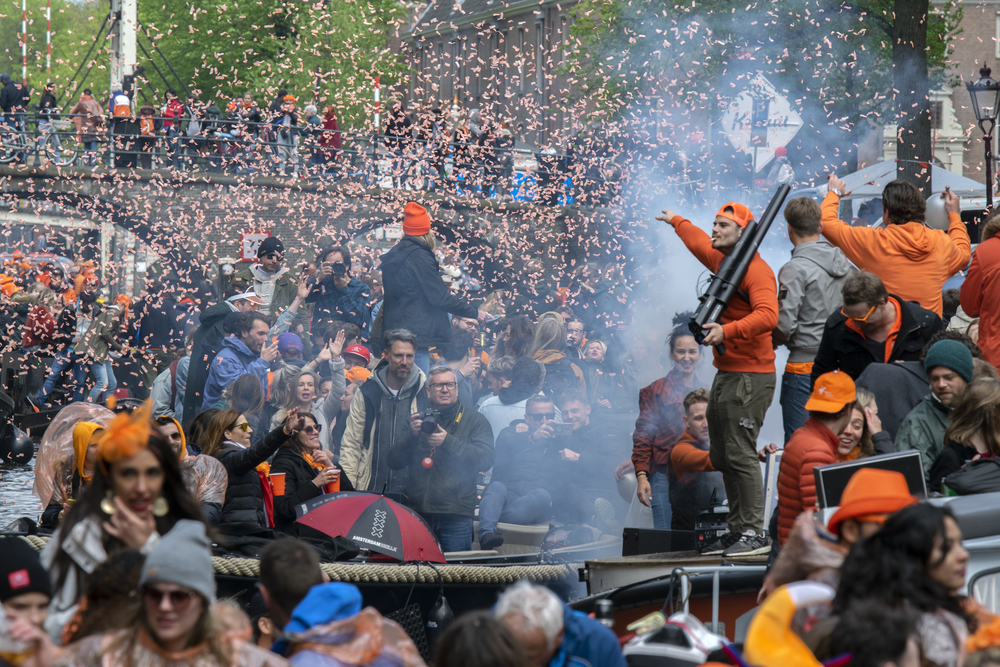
(269, 245)
(20, 570)
(229, 324)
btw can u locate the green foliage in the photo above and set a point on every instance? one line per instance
(837, 56)
(226, 47)
(74, 25)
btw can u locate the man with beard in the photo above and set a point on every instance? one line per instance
(380, 416)
(246, 352)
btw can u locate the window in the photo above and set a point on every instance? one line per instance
(563, 38)
(520, 59)
(540, 55)
(937, 111)
(996, 37)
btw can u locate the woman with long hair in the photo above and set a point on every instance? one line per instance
(248, 493)
(915, 562)
(304, 394)
(856, 437)
(549, 348)
(246, 396)
(974, 431)
(308, 469)
(136, 494)
(176, 623)
(516, 335)
(660, 422)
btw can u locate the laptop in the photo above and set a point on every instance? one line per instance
(832, 479)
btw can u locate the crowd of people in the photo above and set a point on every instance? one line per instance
(335, 379)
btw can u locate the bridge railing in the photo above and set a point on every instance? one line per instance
(487, 168)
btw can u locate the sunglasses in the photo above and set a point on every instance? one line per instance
(312, 429)
(179, 600)
(540, 415)
(245, 426)
(860, 319)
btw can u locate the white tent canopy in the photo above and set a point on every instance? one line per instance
(870, 181)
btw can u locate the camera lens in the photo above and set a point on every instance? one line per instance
(339, 269)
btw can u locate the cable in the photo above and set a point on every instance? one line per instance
(75, 78)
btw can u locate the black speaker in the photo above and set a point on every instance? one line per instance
(642, 541)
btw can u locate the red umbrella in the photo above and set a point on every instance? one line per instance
(374, 522)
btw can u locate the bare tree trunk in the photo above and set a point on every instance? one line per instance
(912, 90)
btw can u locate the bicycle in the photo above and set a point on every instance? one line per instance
(62, 152)
(13, 143)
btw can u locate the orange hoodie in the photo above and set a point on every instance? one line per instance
(913, 260)
(747, 326)
(688, 459)
(981, 297)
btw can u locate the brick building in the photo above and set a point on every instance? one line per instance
(500, 57)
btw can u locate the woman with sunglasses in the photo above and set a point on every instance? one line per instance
(176, 623)
(136, 495)
(307, 467)
(248, 493)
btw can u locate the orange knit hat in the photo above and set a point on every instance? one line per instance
(416, 221)
(739, 214)
(871, 495)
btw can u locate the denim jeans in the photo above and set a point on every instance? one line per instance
(422, 360)
(795, 390)
(660, 487)
(109, 390)
(60, 363)
(499, 504)
(454, 531)
(99, 373)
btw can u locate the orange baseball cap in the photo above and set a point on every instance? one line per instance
(739, 214)
(872, 495)
(357, 374)
(831, 392)
(416, 220)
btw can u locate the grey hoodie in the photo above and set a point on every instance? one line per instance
(376, 420)
(808, 293)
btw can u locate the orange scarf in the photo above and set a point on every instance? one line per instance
(318, 467)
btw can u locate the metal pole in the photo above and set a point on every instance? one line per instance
(715, 603)
(48, 39)
(685, 586)
(24, 42)
(989, 162)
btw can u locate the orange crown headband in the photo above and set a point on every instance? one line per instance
(125, 436)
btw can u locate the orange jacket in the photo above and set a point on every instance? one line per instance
(747, 326)
(810, 446)
(981, 297)
(688, 459)
(913, 260)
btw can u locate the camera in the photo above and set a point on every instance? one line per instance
(430, 421)
(339, 269)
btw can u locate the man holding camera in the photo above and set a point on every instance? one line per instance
(337, 294)
(269, 278)
(449, 445)
(517, 493)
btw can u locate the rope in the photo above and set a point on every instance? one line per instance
(378, 573)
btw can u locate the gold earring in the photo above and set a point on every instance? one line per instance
(161, 507)
(108, 504)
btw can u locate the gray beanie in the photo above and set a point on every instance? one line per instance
(183, 557)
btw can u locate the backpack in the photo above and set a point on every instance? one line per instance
(147, 126)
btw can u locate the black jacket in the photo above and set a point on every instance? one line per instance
(48, 104)
(843, 348)
(594, 472)
(10, 96)
(299, 487)
(521, 465)
(244, 498)
(449, 485)
(951, 459)
(207, 343)
(415, 296)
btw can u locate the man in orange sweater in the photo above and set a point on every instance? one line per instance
(815, 444)
(744, 386)
(912, 260)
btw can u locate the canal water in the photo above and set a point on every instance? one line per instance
(16, 499)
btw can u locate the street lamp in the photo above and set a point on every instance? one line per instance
(985, 103)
